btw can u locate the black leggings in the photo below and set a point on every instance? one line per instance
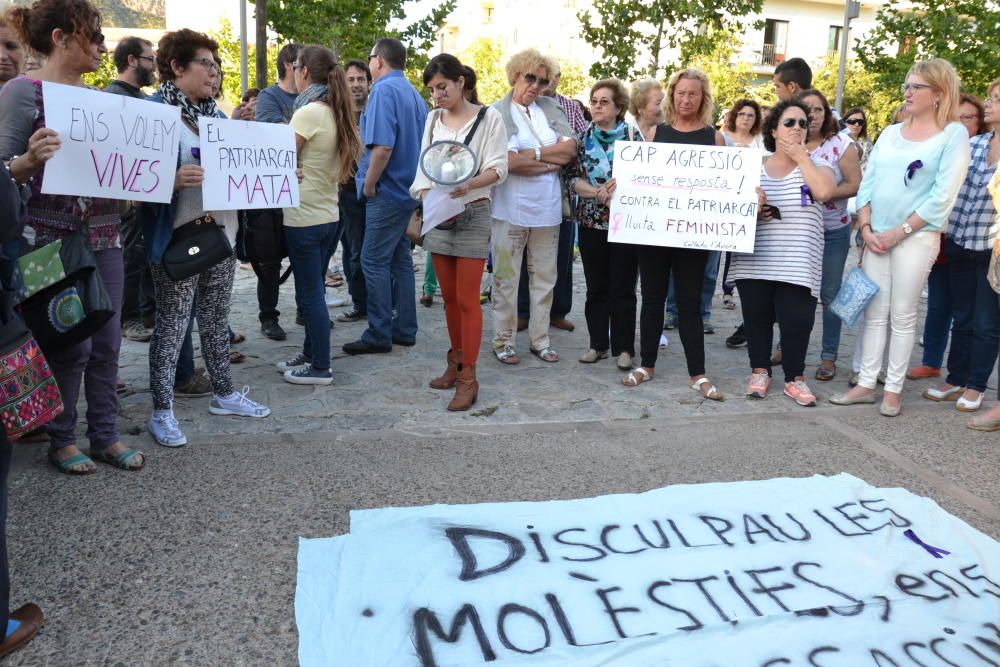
(793, 307)
(655, 264)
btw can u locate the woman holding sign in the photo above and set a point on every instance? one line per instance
(688, 110)
(328, 144)
(186, 61)
(68, 34)
(610, 269)
(459, 246)
(781, 280)
(907, 193)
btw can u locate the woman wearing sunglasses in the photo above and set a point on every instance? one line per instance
(856, 127)
(781, 280)
(906, 196)
(527, 207)
(68, 54)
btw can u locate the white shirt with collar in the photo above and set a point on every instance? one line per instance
(529, 201)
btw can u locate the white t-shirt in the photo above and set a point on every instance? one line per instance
(529, 201)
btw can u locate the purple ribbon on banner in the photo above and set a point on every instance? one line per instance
(807, 195)
(934, 551)
(911, 169)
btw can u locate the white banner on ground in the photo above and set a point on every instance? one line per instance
(685, 196)
(817, 571)
(113, 146)
(247, 165)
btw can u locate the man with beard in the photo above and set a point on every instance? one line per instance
(352, 211)
(136, 66)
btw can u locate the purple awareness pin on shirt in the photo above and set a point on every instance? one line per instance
(806, 195)
(911, 169)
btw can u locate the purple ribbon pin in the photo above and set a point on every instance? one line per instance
(911, 169)
(807, 195)
(934, 551)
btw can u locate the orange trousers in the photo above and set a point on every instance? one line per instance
(459, 279)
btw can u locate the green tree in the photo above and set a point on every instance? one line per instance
(964, 32)
(574, 82)
(862, 88)
(229, 52)
(695, 27)
(486, 57)
(731, 80)
(103, 75)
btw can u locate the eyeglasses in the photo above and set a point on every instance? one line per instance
(746, 114)
(373, 55)
(149, 58)
(210, 65)
(916, 87)
(855, 121)
(600, 103)
(791, 122)
(97, 38)
(531, 80)
(992, 100)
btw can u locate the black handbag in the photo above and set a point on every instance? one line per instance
(195, 247)
(261, 239)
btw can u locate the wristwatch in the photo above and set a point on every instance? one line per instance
(907, 229)
(538, 154)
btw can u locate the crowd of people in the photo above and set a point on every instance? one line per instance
(920, 201)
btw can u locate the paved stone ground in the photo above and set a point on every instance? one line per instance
(192, 561)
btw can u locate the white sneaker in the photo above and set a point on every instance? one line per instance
(337, 301)
(166, 431)
(238, 405)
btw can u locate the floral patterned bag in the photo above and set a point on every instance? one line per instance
(29, 395)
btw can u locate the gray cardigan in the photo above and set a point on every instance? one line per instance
(550, 107)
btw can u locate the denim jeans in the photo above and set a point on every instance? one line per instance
(309, 250)
(352, 220)
(707, 289)
(835, 250)
(937, 324)
(388, 269)
(975, 334)
(562, 294)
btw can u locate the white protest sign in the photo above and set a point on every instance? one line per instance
(113, 146)
(247, 165)
(817, 571)
(685, 196)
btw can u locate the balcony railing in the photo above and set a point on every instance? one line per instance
(771, 55)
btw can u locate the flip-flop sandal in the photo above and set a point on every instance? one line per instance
(546, 354)
(122, 460)
(66, 467)
(236, 357)
(506, 355)
(637, 377)
(712, 394)
(727, 302)
(237, 338)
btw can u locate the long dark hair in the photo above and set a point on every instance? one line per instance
(830, 125)
(324, 69)
(452, 68)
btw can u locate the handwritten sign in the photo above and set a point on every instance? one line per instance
(817, 571)
(685, 196)
(113, 146)
(247, 165)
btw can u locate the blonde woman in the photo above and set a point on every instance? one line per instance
(646, 106)
(906, 196)
(688, 113)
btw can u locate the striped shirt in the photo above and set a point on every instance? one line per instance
(973, 217)
(789, 250)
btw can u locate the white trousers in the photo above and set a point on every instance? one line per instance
(900, 274)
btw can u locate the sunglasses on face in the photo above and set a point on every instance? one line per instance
(855, 121)
(531, 80)
(791, 122)
(97, 38)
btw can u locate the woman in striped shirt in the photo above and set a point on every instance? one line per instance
(780, 281)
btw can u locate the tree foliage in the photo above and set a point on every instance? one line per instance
(103, 75)
(485, 56)
(964, 32)
(695, 27)
(229, 52)
(730, 80)
(861, 89)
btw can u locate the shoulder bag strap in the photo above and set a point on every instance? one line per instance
(475, 126)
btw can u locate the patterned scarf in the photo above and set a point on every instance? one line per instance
(190, 111)
(599, 151)
(316, 92)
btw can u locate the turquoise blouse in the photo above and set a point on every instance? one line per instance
(896, 186)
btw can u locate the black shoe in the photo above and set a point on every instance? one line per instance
(404, 343)
(353, 315)
(300, 319)
(363, 347)
(271, 329)
(738, 339)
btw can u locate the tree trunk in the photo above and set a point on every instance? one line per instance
(261, 53)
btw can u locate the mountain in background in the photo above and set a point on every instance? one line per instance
(128, 13)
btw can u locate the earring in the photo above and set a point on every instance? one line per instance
(936, 104)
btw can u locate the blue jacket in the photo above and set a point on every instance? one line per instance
(156, 221)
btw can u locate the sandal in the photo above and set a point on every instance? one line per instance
(506, 355)
(712, 394)
(236, 338)
(727, 302)
(546, 354)
(637, 377)
(236, 357)
(66, 467)
(122, 460)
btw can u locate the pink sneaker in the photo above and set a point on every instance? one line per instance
(799, 392)
(757, 387)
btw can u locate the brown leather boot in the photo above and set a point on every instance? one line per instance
(466, 390)
(447, 380)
